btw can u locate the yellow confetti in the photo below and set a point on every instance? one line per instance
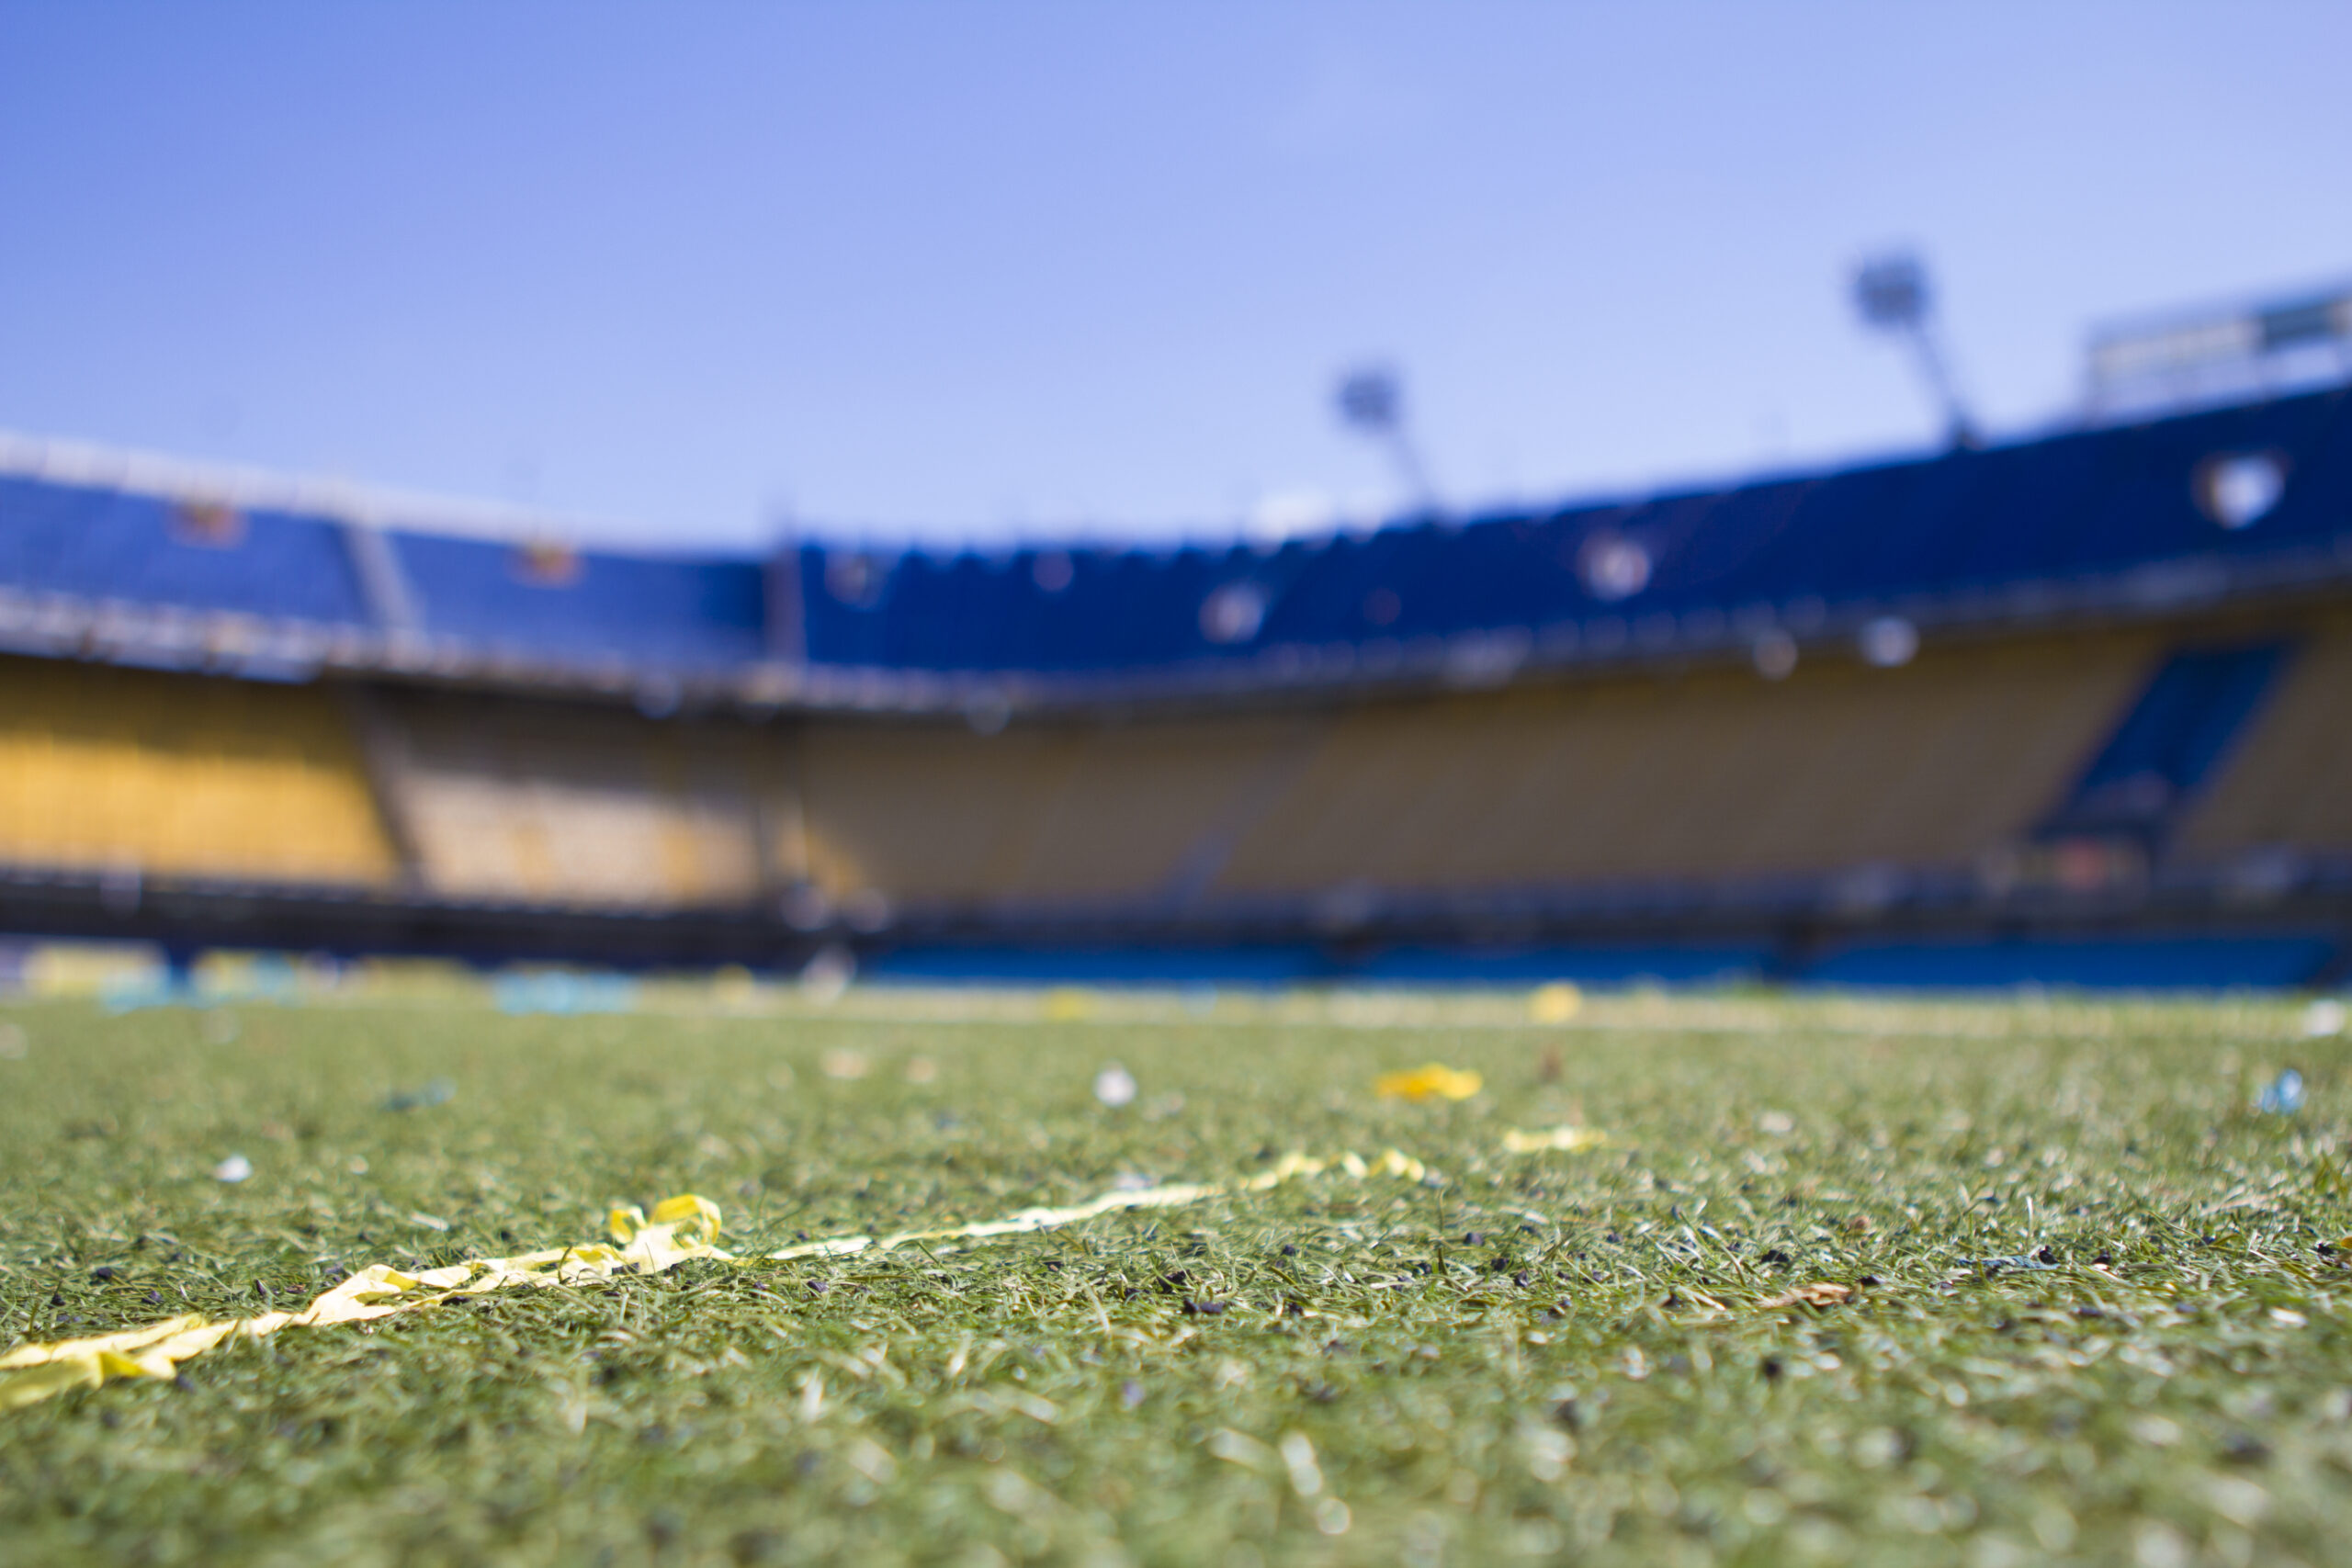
(680, 1228)
(1563, 1140)
(1069, 1004)
(33, 1372)
(1554, 1003)
(1435, 1081)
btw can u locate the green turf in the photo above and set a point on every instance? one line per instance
(1516, 1360)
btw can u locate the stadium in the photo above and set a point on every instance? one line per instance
(1791, 1017)
(2061, 709)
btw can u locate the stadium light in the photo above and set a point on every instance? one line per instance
(1372, 399)
(1891, 294)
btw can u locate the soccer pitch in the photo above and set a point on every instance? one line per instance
(1611, 1354)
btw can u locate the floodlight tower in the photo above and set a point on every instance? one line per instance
(1372, 400)
(1891, 291)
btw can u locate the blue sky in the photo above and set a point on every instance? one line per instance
(964, 271)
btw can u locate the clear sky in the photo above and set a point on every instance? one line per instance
(960, 271)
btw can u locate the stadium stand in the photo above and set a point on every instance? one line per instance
(543, 602)
(124, 773)
(2290, 790)
(2183, 722)
(2125, 514)
(191, 554)
(1065, 812)
(2064, 710)
(542, 803)
(1703, 775)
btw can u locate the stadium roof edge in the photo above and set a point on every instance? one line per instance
(99, 466)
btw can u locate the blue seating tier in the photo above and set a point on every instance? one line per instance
(2252, 486)
(665, 612)
(2066, 508)
(106, 543)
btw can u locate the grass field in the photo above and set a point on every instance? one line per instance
(1549, 1356)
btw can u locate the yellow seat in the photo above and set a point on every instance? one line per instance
(182, 776)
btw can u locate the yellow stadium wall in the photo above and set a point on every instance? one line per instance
(1704, 774)
(178, 775)
(1712, 773)
(1054, 812)
(1701, 775)
(568, 804)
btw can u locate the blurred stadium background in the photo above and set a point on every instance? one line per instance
(2068, 709)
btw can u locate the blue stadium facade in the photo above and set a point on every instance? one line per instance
(2108, 518)
(2239, 513)
(2112, 522)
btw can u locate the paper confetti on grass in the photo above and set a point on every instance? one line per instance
(1563, 1140)
(1554, 1003)
(680, 1228)
(1435, 1082)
